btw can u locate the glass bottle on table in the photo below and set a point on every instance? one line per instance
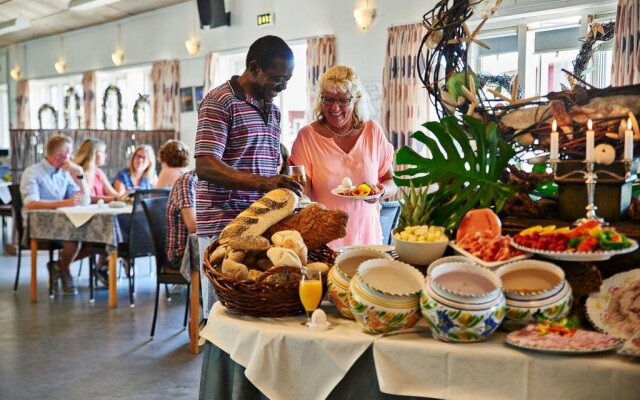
(310, 291)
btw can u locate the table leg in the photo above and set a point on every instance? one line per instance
(113, 282)
(34, 267)
(194, 321)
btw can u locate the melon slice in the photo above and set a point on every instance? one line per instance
(477, 221)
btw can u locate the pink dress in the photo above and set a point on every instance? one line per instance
(326, 164)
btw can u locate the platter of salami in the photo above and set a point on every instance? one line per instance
(556, 338)
(488, 249)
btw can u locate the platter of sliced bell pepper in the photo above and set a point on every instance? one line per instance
(589, 241)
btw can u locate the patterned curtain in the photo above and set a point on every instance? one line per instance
(89, 99)
(404, 100)
(210, 65)
(165, 103)
(625, 69)
(22, 103)
(321, 55)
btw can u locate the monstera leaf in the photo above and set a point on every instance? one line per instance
(465, 178)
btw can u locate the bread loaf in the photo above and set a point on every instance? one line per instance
(255, 220)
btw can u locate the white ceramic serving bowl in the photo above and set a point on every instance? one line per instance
(462, 302)
(447, 260)
(344, 268)
(384, 296)
(534, 289)
(419, 253)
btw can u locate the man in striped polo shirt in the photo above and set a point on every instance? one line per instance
(238, 143)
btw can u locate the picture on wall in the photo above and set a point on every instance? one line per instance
(186, 99)
(199, 94)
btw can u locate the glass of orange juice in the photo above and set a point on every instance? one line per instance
(310, 291)
(297, 173)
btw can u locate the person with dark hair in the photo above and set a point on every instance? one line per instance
(174, 158)
(238, 141)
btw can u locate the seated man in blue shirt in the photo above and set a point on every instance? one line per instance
(53, 183)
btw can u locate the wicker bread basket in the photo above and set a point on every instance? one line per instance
(259, 298)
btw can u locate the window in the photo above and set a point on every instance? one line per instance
(52, 92)
(4, 117)
(500, 59)
(131, 82)
(291, 102)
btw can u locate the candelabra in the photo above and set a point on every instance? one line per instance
(591, 178)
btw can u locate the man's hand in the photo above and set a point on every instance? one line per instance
(73, 200)
(72, 168)
(281, 181)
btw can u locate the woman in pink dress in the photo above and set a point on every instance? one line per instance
(344, 142)
(91, 155)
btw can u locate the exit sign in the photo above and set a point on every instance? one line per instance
(265, 19)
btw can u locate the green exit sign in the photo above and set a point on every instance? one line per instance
(265, 19)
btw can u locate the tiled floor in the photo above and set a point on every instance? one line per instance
(66, 348)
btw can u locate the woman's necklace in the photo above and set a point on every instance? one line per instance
(339, 134)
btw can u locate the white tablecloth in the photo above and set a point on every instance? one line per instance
(281, 357)
(79, 215)
(5, 194)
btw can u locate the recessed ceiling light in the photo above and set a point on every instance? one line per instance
(83, 5)
(14, 25)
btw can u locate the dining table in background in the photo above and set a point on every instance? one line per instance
(278, 358)
(92, 224)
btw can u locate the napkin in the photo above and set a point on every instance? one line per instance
(79, 215)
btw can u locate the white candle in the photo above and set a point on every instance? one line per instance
(628, 142)
(589, 156)
(553, 148)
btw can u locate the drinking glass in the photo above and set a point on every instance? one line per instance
(296, 172)
(310, 291)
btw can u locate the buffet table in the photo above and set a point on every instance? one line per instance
(281, 359)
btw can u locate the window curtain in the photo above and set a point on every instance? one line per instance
(404, 99)
(165, 103)
(22, 103)
(321, 55)
(210, 65)
(626, 55)
(89, 99)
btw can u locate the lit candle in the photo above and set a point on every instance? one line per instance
(553, 150)
(628, 142)
(589, 156)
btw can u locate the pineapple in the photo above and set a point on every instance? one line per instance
(416, 207)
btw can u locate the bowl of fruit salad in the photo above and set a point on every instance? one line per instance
(420, 245)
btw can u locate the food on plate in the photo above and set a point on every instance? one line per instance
(480, 220)
(488, 246)
(316, 224)
(623, 312)
(362, 190)
(422, 233)
(262, 214)
(587, 237)
(346, 183)
(561, 335)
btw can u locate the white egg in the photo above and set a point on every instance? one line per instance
(319, 317)
(346, 183)
(605, 154)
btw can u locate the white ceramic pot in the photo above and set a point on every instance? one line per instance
(384, 296)
(534, 289)
(419, 253)
(462, 302)
(344, 268)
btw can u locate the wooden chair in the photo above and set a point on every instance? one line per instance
(154, 211)
(139, 241)
(16, 204)
(389, 215)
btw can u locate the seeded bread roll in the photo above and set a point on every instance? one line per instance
(249, 243)
(255, 220)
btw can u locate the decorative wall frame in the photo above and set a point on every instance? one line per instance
(598, 33)
(139, 108)
(111, 90)
(47, 108)
(71, 94)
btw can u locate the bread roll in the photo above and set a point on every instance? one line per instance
(254, 274)
(283, 257)
(234, 269)
(278, 238)
(255, 220)
(249, 243)
(236, 255)
(298, 246)
(218, 254)
(318, 266)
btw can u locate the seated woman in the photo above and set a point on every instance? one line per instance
(91, 155)
(181, 217)
(344, 142)
(174, 158)
(141, 172)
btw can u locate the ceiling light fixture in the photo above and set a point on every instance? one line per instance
(16, 71)
(193, 43)
(83, 5)
(14, 25)
(61, 65)
(118, 55)
(364, 16)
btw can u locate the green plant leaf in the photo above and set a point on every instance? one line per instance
(465, 179)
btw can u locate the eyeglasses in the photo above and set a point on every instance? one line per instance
(141, 156)
(329, 101)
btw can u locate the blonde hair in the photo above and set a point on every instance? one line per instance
(342, 78)
(150, 172)
(56, 142)
(87, 151)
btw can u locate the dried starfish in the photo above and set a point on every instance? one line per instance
(513, 100)
(471, 95)
(471, 36)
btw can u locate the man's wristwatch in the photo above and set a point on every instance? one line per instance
(81, 176)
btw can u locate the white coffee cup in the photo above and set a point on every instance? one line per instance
(86, 199)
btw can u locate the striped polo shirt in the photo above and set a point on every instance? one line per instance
(233, 129)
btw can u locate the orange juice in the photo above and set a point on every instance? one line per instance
(310, 294)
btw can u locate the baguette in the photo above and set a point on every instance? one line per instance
(255, 220)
